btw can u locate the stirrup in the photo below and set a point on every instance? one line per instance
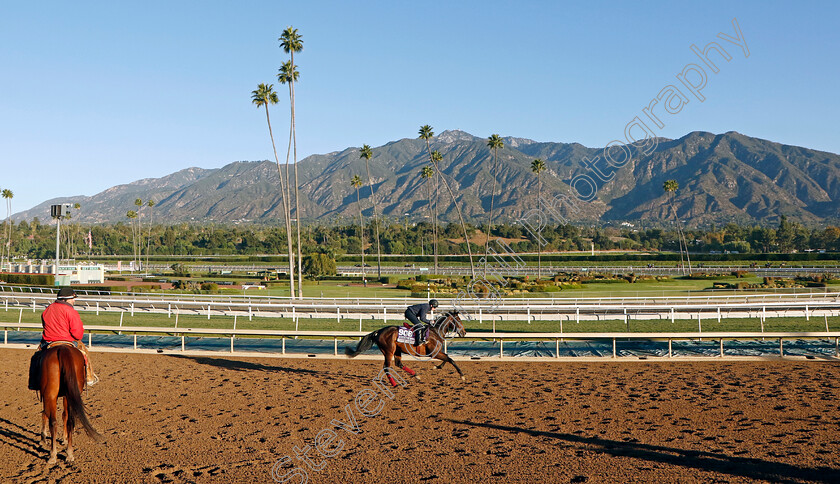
(92, 382)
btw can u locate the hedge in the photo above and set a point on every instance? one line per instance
(30, 279)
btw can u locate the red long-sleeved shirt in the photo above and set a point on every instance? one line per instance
(61, 322)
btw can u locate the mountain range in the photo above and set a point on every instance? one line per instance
(722, 177)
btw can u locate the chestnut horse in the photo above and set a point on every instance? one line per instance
(63, 375)
(386, 340)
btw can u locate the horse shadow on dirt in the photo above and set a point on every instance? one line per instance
(238, 365)
(756, 469)
(20, 438)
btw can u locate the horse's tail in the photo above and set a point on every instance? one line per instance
(75, 406)
(363, 345)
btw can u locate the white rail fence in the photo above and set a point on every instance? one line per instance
(584, 309)
(232, 334)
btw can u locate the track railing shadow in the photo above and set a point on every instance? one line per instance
(700, 460)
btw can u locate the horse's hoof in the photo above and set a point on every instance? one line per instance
(463, 378)
(51, 462)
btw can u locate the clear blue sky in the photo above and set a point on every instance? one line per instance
(96, 94)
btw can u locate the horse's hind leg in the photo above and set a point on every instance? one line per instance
(49, 419)
(44, 424)
(398, 361)
(53, 429)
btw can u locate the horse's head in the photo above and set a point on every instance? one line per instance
(450, 321)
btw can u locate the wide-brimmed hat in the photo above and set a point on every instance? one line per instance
(66, 293)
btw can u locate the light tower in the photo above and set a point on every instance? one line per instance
(57, 212)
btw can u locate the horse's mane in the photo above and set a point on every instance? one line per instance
(440, 319)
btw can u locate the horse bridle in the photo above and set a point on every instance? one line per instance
(440, 323)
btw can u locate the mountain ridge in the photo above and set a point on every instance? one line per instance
(723, 177)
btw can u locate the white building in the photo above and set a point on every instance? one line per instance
(79, 274)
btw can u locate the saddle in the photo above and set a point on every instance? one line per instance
(35, 361)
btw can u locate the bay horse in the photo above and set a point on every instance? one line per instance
(386, 340)
(63, 375)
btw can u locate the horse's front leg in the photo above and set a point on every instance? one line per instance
(389, 352)
(446, 359)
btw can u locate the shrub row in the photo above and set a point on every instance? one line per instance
(30, 279)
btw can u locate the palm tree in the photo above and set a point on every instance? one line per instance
(138, 251)
(671, 187)
(7, 254)
(131, 214)
(292, 42)
(426, 134)
(357, 182)
(263, 96)
(428, 172)
(436, 158)
(494, 142)
(366, 153)
(537, 166)
(150, 204)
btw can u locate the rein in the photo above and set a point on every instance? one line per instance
(441, 321)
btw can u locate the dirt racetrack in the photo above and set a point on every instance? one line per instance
(172, 418)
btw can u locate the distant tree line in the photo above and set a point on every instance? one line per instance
(37, 241)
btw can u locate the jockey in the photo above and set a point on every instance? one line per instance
(61, 322)
(417, 315)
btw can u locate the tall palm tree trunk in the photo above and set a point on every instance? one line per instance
(435, 235)
(6, 252)
(490, 217)
(679, 233)
(375, 222)
(284, 199)
(687, 256)
(435, 208)
(539, 234)
(361, 233)
(461, 218)
(429, 185)
(297, 198)
(149, 238)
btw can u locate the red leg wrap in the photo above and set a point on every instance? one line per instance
(391, 379)
(409, 370)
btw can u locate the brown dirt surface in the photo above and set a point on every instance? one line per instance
(169, 418)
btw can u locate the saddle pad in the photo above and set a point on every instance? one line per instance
(405, 335)
(61, 343)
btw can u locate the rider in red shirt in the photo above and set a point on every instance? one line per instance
(61, 322)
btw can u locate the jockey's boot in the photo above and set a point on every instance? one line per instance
(92, 379)
(90, 376)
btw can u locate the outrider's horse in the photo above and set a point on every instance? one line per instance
(386, 340)
(63, 375)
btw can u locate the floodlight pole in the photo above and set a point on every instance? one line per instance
(57, 231)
